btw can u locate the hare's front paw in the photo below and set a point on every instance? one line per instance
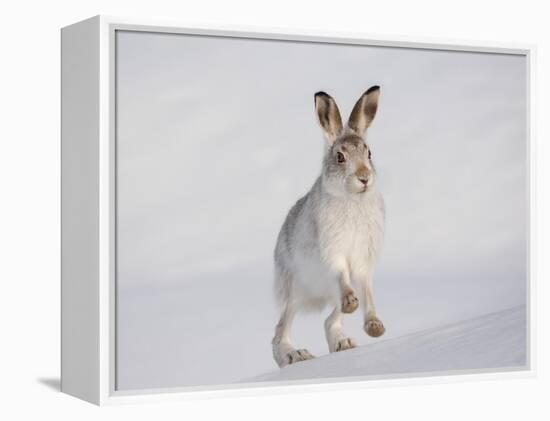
(298, 355)
(374, 327)
(349, 302)
(346, 343)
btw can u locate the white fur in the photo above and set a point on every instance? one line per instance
(327, 248)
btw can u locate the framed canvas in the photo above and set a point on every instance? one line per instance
(245, 210)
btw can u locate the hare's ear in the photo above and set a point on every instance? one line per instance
(364, 111)
(329, 115)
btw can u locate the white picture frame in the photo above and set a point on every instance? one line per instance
(88, 203)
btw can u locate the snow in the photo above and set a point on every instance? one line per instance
(205, 178)
(496, 340)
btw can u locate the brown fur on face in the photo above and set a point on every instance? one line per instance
(362, 171)
(347, 166)
(357, 165)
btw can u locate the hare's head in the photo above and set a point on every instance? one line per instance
(347, 165)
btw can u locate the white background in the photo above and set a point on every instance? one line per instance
(29, 230)
(200, 205)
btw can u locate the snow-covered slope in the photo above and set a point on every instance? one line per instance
(491, 341)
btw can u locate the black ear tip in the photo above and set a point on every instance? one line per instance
(322, 93)
(372, 89)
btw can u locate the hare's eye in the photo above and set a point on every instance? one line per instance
(341, 158)
(370, 154)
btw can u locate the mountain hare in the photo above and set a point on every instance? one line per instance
(329, 242)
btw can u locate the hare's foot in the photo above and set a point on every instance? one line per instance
(374, 327)
(349, 302)
(298, 355)
(346, 343)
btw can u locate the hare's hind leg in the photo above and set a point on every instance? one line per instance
(283, 351)
(337, 340)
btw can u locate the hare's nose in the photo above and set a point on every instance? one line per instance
(363, 180)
